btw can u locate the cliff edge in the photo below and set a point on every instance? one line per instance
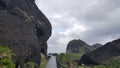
(24, 29)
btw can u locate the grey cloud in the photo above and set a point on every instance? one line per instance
(101, 11)
(102, 16)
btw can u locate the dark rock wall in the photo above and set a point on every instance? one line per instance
(25, 29)
(102, 54)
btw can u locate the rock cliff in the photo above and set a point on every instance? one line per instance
(78, 46)
(102, 54)
(24, 29)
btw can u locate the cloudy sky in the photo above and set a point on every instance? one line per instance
(93, 21)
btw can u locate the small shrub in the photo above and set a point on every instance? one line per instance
(68, 59)
(5, 58)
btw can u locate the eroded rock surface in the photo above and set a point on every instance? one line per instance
(24, 29)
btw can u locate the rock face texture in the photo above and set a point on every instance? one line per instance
(97, 45)
(102, 54)
(24, 29)
(78, 46)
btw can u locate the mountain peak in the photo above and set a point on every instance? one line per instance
(77, 46)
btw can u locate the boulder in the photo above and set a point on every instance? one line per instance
(24, 29)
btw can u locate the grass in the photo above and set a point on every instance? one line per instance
(30, 65)
(43, 61)
(6, 61)
(68, 61)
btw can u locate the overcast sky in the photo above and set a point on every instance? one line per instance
(93, 21)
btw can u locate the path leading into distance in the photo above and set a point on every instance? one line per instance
(52, 63)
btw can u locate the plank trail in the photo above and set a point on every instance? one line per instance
(52, 63)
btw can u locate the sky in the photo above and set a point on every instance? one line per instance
(93, 21)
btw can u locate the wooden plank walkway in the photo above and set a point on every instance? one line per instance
(52, 63)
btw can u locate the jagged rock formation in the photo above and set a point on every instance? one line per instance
(24, 29)
(102, 54)
(78, 46)
(97, 45)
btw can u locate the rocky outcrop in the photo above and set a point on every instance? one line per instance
(97, 45)
(102, 54)
(78, 46)
(24, 29)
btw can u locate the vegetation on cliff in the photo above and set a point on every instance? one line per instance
(6, 57)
